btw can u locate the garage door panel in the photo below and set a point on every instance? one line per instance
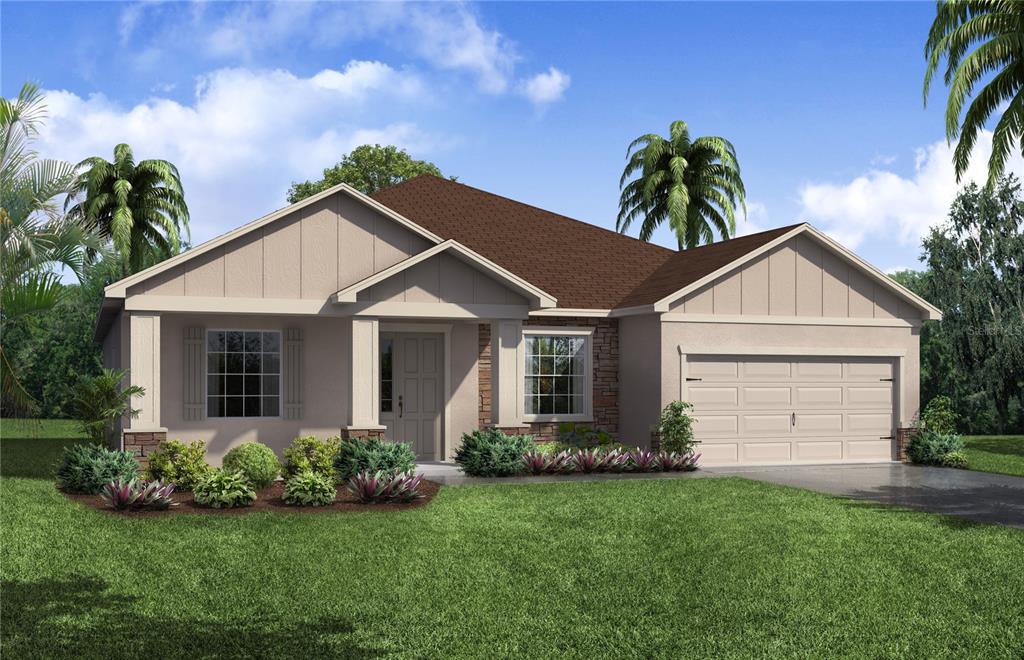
(766, 397)
(863, 370)
(766, 424)
(818, 423)
(719, 454)
(782, 409)
(818, 370)
(765, 370)
(714, 369)
(880, 422)
(868, 449)
(874, 396)
(818, 451)
(712, 424)
(754, 452)
(818, 395)
(715, 397)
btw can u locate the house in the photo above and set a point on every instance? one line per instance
(432, 308)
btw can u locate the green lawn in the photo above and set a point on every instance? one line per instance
(695, 567)
(39, 428)
(996, 453)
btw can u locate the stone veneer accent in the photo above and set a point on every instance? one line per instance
(605, 397)
(352, 434)
(142, 444)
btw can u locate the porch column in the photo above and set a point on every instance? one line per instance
(364, 388)
(143, 434)
(144, 370)
(506, 385)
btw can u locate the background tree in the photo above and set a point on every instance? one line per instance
(368, 168)
(140, 206)
(995, 31)
(975, 275)
(694, 185)
(34, 238)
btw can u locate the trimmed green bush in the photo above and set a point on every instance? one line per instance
(938, 416)
(257, 462)
(372, 455)
(491, 453)
(309, 489)
(222, 489)
(676, 428)
(177, 463)
(310, 454)
(87, 468)
(955, 459)
(930, 448)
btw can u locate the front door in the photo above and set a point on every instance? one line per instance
(415, 384)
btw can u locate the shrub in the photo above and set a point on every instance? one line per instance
(87, 468)
(549, 449)
(372, 455)
(675, 426)
(577, 436)
(491, 453)
(536, 462)
(614, 460)
(955, 459)
(257, 462)
(929, 447)
(309, 489)
(222, 489)
(673, 462)
(560, 463)
(598, 460)
(380, 487)
(135, 494)
(180, 464)
(100, 401)
(642, 460)
(311, 454)
(938, 416)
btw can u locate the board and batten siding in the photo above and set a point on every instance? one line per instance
(442, 279)
(802, 278)
(308, 254)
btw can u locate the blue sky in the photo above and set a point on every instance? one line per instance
(533, 101)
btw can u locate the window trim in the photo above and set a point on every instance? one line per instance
(587, 414)
(280, 373)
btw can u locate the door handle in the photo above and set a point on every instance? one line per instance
(400, 407)
(792, 419)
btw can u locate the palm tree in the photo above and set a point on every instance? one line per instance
(996, 27)
(693, 184)
(139, 206)
(34, 237)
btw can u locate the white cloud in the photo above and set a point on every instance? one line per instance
(246, 136)
(546, 87)
(885, 205)
(757, 219)
(448, 36)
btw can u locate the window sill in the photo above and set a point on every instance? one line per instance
(542, 419)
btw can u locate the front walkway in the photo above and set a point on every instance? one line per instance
(978, 496)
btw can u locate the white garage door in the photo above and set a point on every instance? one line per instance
(752, 410)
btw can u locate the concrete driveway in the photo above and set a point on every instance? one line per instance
(978, 496)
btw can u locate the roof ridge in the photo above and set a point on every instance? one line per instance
(561, 216)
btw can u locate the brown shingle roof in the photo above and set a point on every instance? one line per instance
(582, 265)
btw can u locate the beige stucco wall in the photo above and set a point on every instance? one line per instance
(325, 392)
(309, 254)
(800, 277)
(739, 338)
(444, 279)
(465, 387)
(640, 363)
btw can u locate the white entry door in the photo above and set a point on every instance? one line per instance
(784, 409)
(417, 383)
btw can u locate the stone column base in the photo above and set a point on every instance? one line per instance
(363, 434)
(142, 443)
(902, 440)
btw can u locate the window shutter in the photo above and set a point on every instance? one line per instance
(293, 373)
(194, 374)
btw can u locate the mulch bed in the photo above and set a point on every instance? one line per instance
(267, 499)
